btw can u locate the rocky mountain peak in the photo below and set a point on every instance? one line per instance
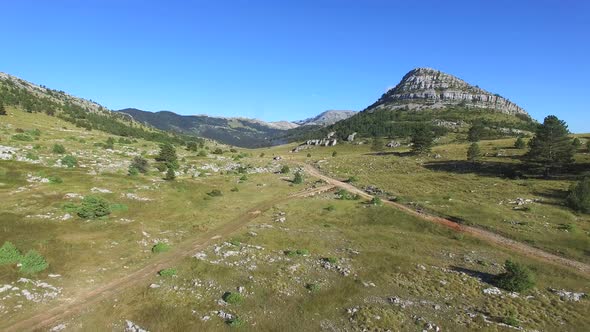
(423, 88)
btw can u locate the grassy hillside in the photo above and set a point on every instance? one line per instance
(228, 243)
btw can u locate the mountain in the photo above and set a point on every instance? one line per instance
(241, 132)
(429, 96)
(426, 88)
(326, 118)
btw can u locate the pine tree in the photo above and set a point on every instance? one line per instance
(377, 145)
(422, 140)
(519, 143)
(298, 178)
(168, 156)
(551, 148)
(2, 109)
(170, 175)
(474, 152)
(475, 132)
(579, 196)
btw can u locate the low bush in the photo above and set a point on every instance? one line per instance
(32, 156)
(58, 149)
(313, 287)
(235, 322)
(285, 169)
(169, 272)
(22, 137)
(233, 297)
(55, 179)
(215, 193)
(33, 262)
(517, 278)
(160, 247)
(9, 254)
(93, 207)
(69, 161)
(347, 196)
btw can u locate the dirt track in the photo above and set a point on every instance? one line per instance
(473, 231)
(84, 299)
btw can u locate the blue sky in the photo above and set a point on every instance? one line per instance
(288, 60)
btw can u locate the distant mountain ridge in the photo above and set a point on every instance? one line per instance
(236, 131)
(326, 118)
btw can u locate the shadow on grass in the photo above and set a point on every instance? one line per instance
(483, 276)
(507, 170)
(392, 153)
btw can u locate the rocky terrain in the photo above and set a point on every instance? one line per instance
(430, 88)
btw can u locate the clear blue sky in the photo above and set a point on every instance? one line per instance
(287, 60)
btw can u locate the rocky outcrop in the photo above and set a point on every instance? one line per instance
(429, 88)
(326, 118)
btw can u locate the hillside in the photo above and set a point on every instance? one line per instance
(430, 97)
(83, 113)
(326, 118)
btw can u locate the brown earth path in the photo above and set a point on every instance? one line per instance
(84, 299)
(479, 233)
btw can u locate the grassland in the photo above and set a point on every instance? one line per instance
(315, 263)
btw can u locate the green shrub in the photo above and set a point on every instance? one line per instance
(376, 201)
(234, 189)
(347, 196)
(170, 174)
(215, 193)
(298, 179)
(34, 132)
(160, 247)
(140, 164)
(70, 161)
(55, 179)
(309, 155)
(22, 137)
(331, 260)
(330, 208)
(517, 278)
(244, 178)
(233, 297)
(313, 287)
(285, 169)
(202, 153)
(9, 254)
(334, 154)
(169, 272)
(519, 143)
(58, 149)
(132, 171)
(33, 262)
(235, 322)
(161, 167)
(32, 156)
(352, 179)
(218, 151)
(579, 196)
(93, 207)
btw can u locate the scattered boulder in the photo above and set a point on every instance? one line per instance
(568, 296)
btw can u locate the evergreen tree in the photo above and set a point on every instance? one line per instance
(551, 147)
(474, 152)
(517, 278)
(298, 178)
(168, 156)
(576, 143)
(579, 196)
(170, 175)
(377, 145)
(110, 143)
(140, 164)
(422, 140)
(475, 132)
(2, 109)
(519, 143)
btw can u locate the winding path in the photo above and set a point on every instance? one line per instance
(479, 233)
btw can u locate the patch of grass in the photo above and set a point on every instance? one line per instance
(22, 137)
(235, 322)
(313, 287)
(119, 207)
(69, 161)
(215, 193)
(55, 179)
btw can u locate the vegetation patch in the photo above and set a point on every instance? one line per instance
(160, 247)
(233, 297)
(93, 207)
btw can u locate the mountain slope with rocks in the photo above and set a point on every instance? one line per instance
(326, 118)
(423, 88)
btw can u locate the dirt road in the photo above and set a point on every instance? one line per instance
(473, 231)
(86, 298)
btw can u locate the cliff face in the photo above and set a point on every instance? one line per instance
(429, 88)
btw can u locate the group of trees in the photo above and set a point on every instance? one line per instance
(168, 157)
